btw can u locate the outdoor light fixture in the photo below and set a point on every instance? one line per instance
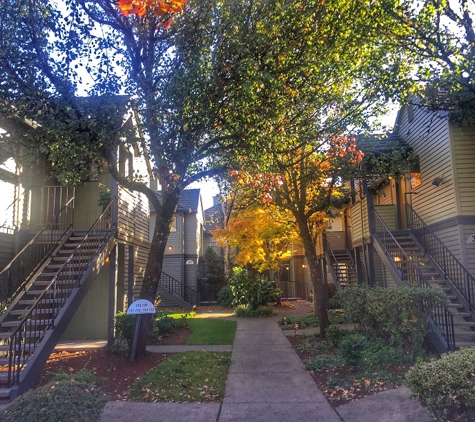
(437, 181)
(170, 248)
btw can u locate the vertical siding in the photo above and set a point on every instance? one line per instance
(358, 215)
(86, 209)
(140, 262)
(463, 141)
(428, 135)
(133, 216)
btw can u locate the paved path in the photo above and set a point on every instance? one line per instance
(266, 382)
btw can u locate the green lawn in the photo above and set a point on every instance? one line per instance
(187, 377)
(211, 331)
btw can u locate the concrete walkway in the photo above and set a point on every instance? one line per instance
(267, 382)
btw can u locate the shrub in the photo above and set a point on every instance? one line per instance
(351, 348)
(334, 333)
(248, 311)
(393, 315)
(378, 353)
(225, 296)
(65, 400)
(254, 292)
(336, 316)
(447, 385)
(159, 326)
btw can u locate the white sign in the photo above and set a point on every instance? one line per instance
(471, 238)
(189, 262)
(141, 306)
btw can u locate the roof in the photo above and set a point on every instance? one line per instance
(188, 202)
(380, 143)
(214, 217)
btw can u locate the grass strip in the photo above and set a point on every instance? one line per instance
(185, 377)
(211, 331)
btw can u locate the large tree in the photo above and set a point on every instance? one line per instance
(228, 83)
(439, 36)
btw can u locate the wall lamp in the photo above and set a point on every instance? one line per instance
(170, 248)
(437, 181)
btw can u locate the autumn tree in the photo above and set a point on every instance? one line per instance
(262, 237)
(215, 85)
(308, 182)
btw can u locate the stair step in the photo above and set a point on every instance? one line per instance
(5, 393)
(31, 334)
(12, 324)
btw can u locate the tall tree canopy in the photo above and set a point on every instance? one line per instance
(231, 83)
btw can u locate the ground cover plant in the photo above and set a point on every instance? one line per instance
(66, 398)
(211, 331)
(353, 368)
(185, 377)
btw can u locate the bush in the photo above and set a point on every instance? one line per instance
(248, 311)
(254, 292)
(65, 400)
(336, 316)
(334, 333)
(393, 315)
(225, 296)
(447, 385)
(159, 326)
(378, 353)
(351, 348)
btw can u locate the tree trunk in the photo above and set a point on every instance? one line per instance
(319, 288)
(153, 270)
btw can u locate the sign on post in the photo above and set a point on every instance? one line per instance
(139, 307)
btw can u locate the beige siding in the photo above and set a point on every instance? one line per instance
(384, 195)
(450, 237)
(463, 141)
(86, 209)
(336, 240)
(388, 215)
(428, 135)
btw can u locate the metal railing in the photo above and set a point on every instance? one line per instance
(294, 289)
(18, 273)
(411, 274)
(176, 287)
(454, 272)
(42, 313)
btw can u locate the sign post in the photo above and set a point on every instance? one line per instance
(139, 307)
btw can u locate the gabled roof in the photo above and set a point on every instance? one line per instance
(214, 217)
(188, 203)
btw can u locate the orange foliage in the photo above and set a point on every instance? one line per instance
(160, 8)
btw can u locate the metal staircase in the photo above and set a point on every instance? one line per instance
(464, 323)
(342, 267)
(174, 294)
(46, 301)
(410, 263)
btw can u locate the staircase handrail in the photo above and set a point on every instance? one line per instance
(337, 275)
(42, 245)
(19, 350)
(172, 285)
(454, 271)
(410, 273)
